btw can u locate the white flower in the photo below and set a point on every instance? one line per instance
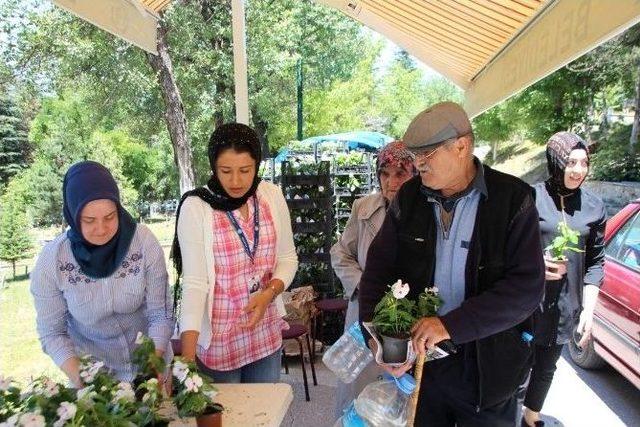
(86, 393)
(96, 367)
(88, 373)
(139, 338)
(432, 290)
(191, 385)
(66, 411)
(12, 421)
(197, 380)
(152, 381)
(87, 377)
(399, 289)
(31, 419)
(5, 383)
(146, 397)
(180, 370)
(124, 392)
(50, 388)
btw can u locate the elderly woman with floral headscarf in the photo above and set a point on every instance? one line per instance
(571, 288)
(394, 166)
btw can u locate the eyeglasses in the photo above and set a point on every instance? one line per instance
(421, 157)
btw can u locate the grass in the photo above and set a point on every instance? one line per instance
(522, 159)
(21, 356)
(163, 230)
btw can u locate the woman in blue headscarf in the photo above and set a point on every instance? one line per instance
(101, 282)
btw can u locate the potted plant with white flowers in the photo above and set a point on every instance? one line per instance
(193, 394)
(395, 315)
(393, 318)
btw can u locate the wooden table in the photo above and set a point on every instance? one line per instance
(249, 405)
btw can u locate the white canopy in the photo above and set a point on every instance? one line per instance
(490, 48)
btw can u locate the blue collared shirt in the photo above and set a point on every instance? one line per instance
(452, 245)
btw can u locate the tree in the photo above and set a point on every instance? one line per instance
(15, 149)
(65, 132)
(174, 109)
(15, 241)
(495, 125)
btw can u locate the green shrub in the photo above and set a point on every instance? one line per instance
(614, 159)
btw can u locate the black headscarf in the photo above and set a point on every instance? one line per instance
(559, 147)
(85, 182)
(238, 137)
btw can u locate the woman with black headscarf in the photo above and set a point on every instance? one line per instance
(234, 248)
(100, 283)
(571, 288)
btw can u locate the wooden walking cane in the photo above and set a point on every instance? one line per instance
(416, 392)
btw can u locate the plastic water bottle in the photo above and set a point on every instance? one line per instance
(384, 403)
(348, 356)
(350, 418)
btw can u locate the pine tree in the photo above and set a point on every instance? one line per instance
(14, 146)
(15, 241)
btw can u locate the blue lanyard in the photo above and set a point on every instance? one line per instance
(256, 230)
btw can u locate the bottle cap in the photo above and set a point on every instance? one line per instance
(405, 383)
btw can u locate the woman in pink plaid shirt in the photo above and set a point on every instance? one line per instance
(234, 247)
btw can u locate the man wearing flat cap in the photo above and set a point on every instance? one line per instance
(472, 232)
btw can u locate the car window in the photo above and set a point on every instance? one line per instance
(625, 244)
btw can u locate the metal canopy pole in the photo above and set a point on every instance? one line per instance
(240, 61)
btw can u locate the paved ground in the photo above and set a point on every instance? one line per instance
(577, 397)
(591, 398)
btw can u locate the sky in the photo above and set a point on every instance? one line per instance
(388, 52)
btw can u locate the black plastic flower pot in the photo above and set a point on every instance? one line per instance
(394, 350)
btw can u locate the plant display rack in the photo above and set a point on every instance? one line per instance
(308, 191)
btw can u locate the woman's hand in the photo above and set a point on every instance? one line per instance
(164, 378)
(589, 299)
(71, 367)
(554, 270)
(258, 304)
(584, 327)
(396, 371)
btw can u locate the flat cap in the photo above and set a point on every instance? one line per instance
(437, 124)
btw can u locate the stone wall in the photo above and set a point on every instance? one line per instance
(615, 195)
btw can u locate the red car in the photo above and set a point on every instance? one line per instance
(616, 324)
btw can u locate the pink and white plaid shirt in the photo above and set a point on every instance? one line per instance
(231, 345)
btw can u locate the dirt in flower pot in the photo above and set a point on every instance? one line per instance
(394, 349)
(212, 417)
